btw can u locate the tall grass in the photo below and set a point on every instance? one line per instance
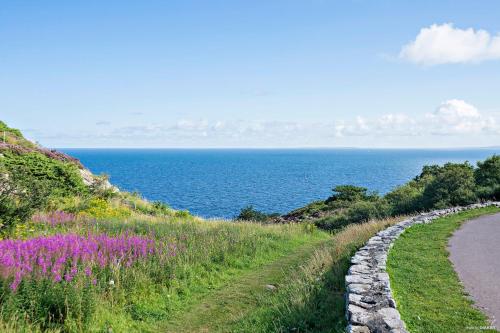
(208, 254)
(312, 299)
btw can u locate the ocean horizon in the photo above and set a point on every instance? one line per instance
(217, 183)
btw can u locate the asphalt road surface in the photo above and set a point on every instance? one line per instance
(475, 254)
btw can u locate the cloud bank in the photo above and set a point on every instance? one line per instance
(454, 122)
(451, 117)
(445, 44)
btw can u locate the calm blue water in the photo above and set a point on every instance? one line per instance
(218, 183)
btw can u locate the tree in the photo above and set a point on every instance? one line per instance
(363, 211)
(20, 196)
(350, 193)
(250, 214)
(451, 185)
(487, 177)
(405, 199)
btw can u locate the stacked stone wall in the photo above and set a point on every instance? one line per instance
(370, 306)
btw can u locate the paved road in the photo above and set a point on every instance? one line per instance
(475, 253)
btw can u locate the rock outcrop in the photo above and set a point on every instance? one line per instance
(89, 179)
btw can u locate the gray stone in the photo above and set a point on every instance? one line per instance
(360, 259)
(358, 315)
(391, 318)
(364, 279)
(359, 269)
(358, 288)
(383, 277)
(361, 301)
(357, 329)
(399, 330)
(370, 305)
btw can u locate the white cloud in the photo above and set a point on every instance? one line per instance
(442, 44)
(452, 117)
(458, 117)
(456, 122)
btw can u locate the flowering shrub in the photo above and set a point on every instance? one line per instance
(62, 257)
(54, 218)
(22, 146)
(101, 209)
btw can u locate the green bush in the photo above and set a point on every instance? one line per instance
(7, 129)
(334, 222)
(102, 209)
(350, 193)
(251, 214)
(20, 196)
(488, 192)
(487, 176)
(362, 211)
(488, 171)
(100, 188)
(63, 177)
(161, 208)
(405, 198)
(452, 184)
(182, 214)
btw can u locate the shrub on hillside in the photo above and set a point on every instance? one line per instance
(251, 214)
(363, 211)
(161, 208)
(101, 188)
(102, 209)
(405, 198)
(358, 212)
(333, 222)
(63, 178)
(182, 214)
(7, 129)
(452, 185)
(487, 176)
(488, 171)
(345, 194)
(20, 196)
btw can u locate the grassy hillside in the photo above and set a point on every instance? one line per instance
(76, 255)
(79, 256)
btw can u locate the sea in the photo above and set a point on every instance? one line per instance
(218, 183)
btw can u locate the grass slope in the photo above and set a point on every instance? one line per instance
(429, 294)
(309, 295)
(312, 300)
(144, 298)
(235, 300)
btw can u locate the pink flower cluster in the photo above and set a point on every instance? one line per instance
(54, 218)
(50, 153)
(61, 257)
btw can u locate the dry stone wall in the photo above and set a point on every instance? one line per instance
(370, 307)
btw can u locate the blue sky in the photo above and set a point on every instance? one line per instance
(252, 73)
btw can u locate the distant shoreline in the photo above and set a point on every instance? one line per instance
(279, 148)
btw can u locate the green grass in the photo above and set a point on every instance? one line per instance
(218, 254)
(309, 295)
(311, 298)
(218, 283)
(211, 255)
(427, 290)
(233, 302)
(215, 283)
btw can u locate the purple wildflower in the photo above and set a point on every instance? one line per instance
(65, 256)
